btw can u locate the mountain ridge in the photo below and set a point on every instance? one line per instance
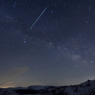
(85, 88)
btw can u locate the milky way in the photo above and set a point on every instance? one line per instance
(59, 50)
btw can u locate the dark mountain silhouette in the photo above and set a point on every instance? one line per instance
(86, 88)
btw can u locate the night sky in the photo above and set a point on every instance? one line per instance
(58, 50)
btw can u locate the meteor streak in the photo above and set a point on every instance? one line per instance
(38, 18)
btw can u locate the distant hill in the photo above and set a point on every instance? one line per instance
(86, 88)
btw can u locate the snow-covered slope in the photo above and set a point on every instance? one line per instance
(86, 88)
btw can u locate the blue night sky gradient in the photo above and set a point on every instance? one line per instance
(60, 48)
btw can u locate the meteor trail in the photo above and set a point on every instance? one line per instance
(38, 18)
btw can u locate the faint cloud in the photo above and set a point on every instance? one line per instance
(13, 73)
(8, 84)
(17, 71)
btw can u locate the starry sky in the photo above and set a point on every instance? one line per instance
(58, 50)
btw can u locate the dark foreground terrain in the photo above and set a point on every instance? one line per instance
(86, 88)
